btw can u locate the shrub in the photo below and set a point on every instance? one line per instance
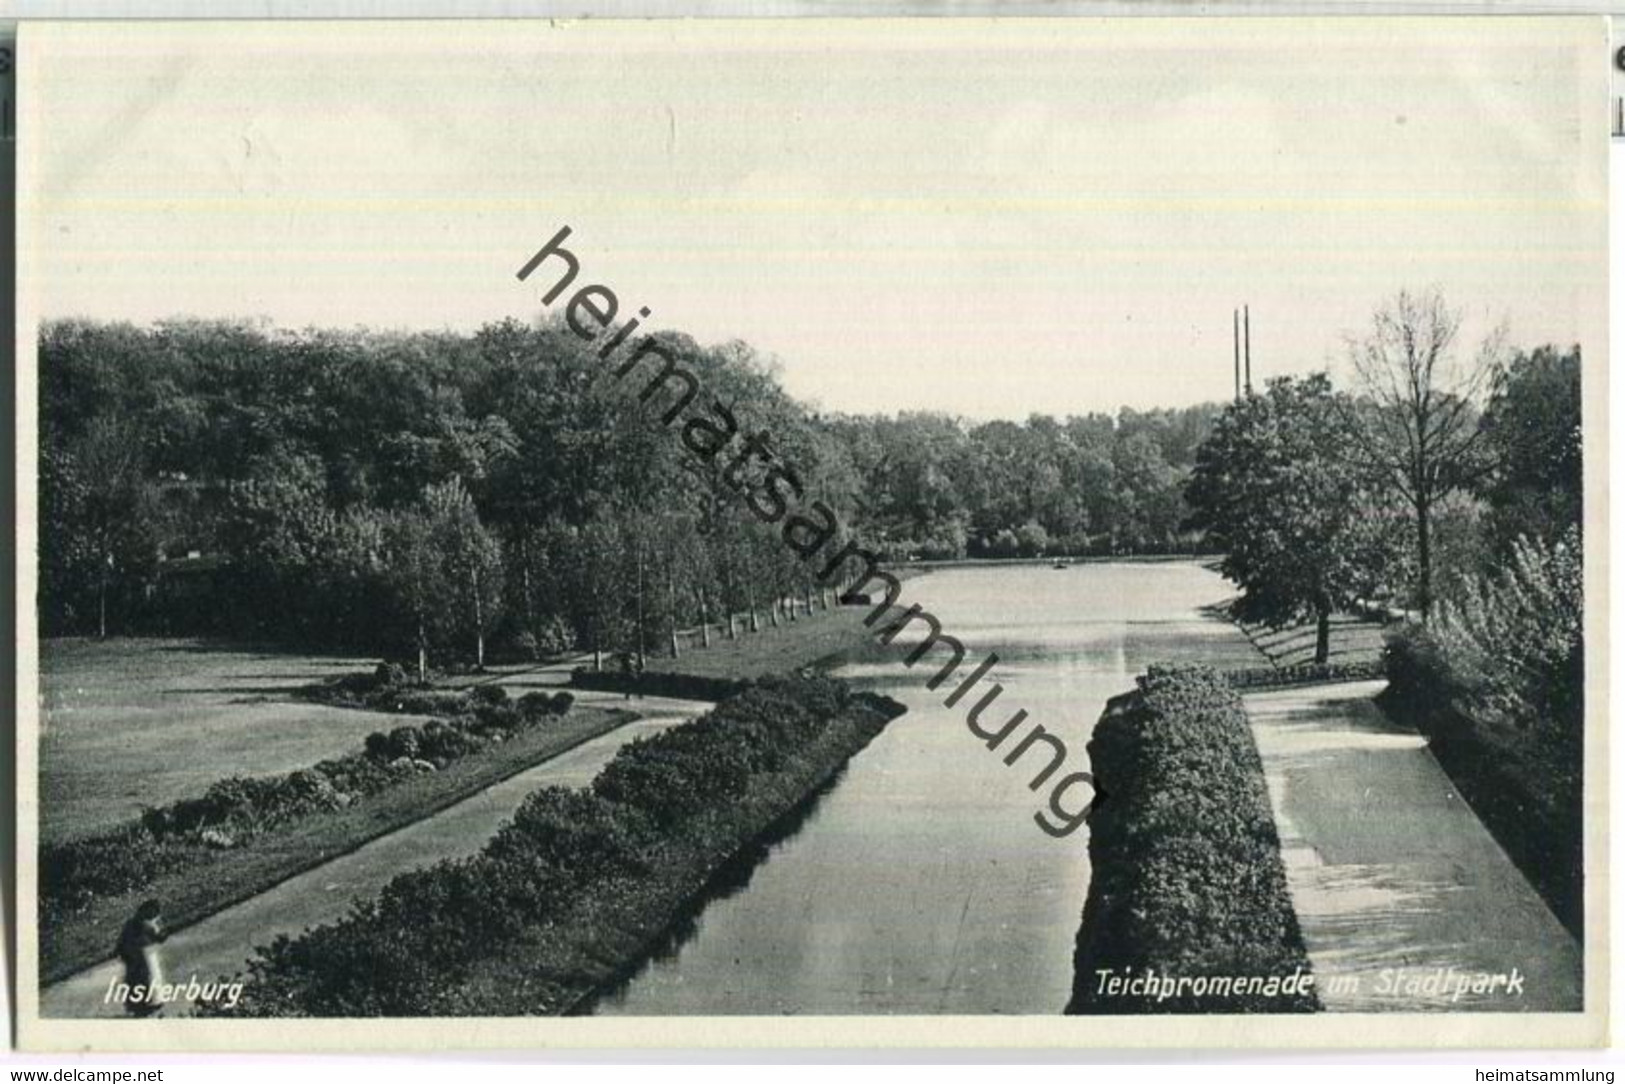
(555, 636)
(1508, 649)
(500, 718)
(420, 702)
(354, 686)
(573, 829)
(377, 745)
(1187, 878)
(550, 637)
(441, 742)
(488, 695)
(303, 792)
(526, 646)
(405, 741)
(230, 801)
(533, 706)
(1512, 639)
(358, 774)
(673, 775)
(72, 874)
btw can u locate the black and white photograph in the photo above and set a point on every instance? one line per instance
(812, 532)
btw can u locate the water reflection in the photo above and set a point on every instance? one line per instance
(731, 878)
(920, 883)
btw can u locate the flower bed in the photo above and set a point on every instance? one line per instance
(1187, 878)
(210, 880)
(237, 810)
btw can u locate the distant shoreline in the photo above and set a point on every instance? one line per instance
(1093, 559)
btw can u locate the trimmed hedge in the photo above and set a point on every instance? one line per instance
(238, 809)
(657, 683)
(411, 950)
(1187, 877)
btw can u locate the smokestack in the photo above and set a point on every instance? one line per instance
(1235, 342)
(1247, 345)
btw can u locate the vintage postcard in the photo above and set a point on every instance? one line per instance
(965, 532)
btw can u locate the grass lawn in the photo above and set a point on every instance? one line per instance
(223, 878)
(793, 645)
(144, 722)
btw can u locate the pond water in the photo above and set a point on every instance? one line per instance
(919, 882)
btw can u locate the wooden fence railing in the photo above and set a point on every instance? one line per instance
(1257, 677)
(786, 609)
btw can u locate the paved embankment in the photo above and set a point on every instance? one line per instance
(220, 944)
(1395, 880)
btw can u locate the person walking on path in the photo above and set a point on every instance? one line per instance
(138, 951)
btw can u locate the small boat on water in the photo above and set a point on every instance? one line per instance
(1061, 562)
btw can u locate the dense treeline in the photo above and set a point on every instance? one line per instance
(1094, 484)
(430, 493)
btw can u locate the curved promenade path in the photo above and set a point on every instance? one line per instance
(1403, 895)
(219, 945)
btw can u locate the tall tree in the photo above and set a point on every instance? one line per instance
(415, 571)
(473, 559)
(117, 508)
(1414, 417)
(277, 527)
(1274, 488)
(1532, 427)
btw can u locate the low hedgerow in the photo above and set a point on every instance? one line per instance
(488, 695)
(656, 683)
(239, 809)
(1187, 879)
(1309, 673)
(408, 951)
(539, 705)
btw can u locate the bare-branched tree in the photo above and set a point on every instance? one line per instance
(1414, 417)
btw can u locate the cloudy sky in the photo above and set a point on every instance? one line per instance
(985, 218)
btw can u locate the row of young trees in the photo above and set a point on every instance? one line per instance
(430, 492)
(1432, 465)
